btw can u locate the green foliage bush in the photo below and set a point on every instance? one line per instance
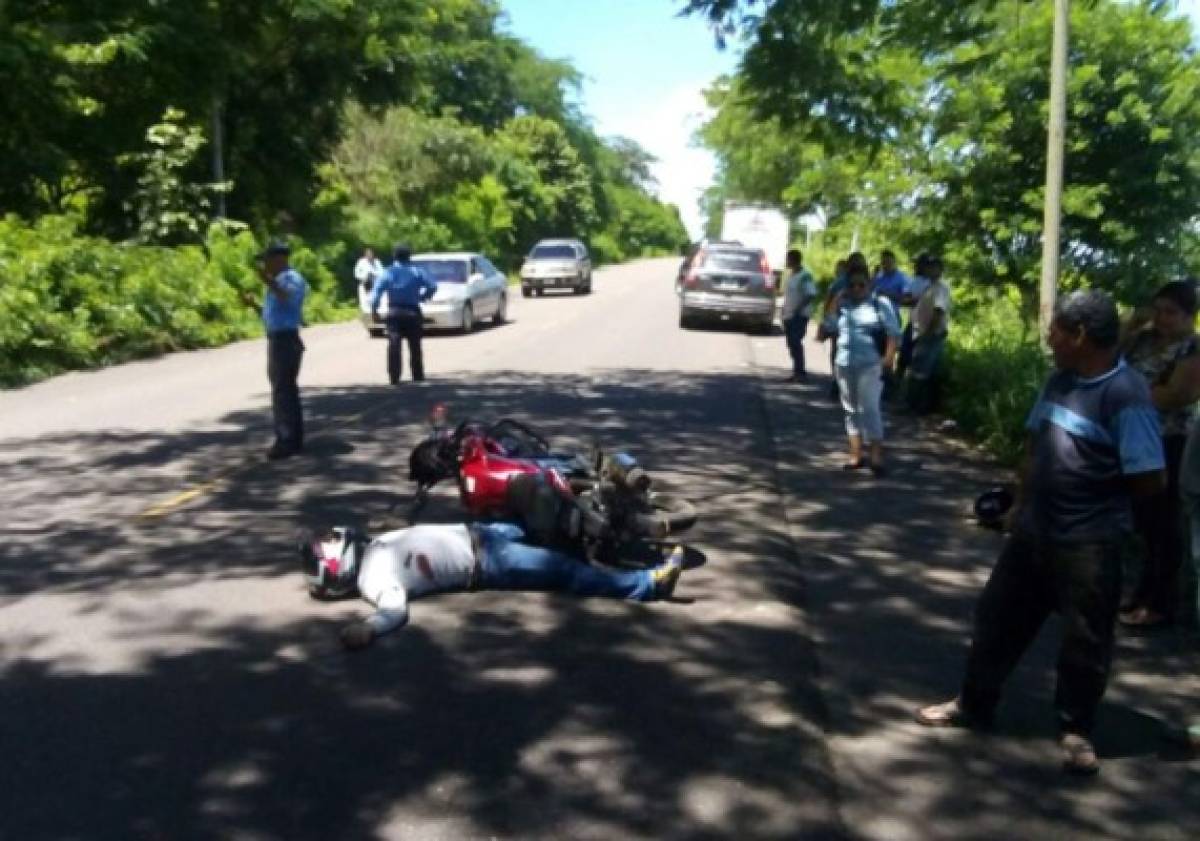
(70, 301)
(440, 184)
(995, 367)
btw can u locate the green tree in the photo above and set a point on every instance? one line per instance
(965, 174)
(840, 69)
(168, 207)
(1132, 165)
(564, 182)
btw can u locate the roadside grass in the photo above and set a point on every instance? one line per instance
(69, 301)
(995, 368)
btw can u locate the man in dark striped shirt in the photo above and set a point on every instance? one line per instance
(1093, 444)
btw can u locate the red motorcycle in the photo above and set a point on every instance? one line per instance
(507, 470)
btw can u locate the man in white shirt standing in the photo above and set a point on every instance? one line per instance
(917, 284)
(930, 322)
(403, 565)
(799, 291)
(368, 269)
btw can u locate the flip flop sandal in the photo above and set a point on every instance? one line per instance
(1142, 618)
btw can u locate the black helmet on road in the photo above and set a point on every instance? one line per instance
(992, 505)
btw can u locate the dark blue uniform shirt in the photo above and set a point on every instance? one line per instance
(1087, 436)
(406, 287)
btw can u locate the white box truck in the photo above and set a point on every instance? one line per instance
(758, 226)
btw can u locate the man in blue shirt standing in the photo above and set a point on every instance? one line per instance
(891, 282)
(282, 311)
(406, 288)
(1093, 444)
(799, 291)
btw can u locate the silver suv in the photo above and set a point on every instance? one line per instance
(557, 264)
(729, 283)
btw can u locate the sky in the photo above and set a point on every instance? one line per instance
(644, 73)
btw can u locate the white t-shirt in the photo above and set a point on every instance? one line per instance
(799, 290)
(936, 297)
(917, 284)
(410, 563)
(367, 269)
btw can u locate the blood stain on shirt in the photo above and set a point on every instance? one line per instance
(424, 566)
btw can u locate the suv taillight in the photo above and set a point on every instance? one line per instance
(768, 278)
(692, 279)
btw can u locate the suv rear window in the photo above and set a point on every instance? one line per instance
(444, 271)
(733, 261)
(553, 252)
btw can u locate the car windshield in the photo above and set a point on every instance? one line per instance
(444, 271)
(734, 261)
(553, 252)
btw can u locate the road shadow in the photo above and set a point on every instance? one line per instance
(894, 567)
(492, 714)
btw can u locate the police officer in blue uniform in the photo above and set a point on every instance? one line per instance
(406, 288)
(282, 311)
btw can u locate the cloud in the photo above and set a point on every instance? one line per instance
(664, 127)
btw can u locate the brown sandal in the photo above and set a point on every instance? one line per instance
(946, 714)
(1079, 756)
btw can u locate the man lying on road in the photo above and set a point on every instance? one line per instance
(409, 563)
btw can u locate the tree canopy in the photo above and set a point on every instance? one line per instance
(952, 155)
(285, 87)
(336, 123)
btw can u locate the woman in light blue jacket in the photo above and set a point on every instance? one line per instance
(867, 333)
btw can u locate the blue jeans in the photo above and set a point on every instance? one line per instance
(794, 329)
(509, 565)
(923, 372)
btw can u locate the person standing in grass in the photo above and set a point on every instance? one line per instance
(1093, 445)
(1189, 489)
(1161, 345)
(930, 325)
(890, 282)
(917, 285)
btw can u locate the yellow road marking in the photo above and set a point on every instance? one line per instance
(182, 498)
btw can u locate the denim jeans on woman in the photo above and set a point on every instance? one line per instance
(510, 565)
(861, 390)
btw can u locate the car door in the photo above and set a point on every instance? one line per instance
(495, 280)
(585, 261)
(477, 288)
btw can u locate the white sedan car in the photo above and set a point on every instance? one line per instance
(469, 289)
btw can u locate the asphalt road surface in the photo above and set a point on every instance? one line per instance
(163, 675)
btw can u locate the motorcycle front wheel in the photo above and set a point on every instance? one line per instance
(665, 516)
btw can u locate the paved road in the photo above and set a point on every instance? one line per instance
(164, 676)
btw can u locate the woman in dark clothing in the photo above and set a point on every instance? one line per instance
(1162, 346)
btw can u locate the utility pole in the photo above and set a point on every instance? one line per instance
(218, 152)
(1055, 143)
